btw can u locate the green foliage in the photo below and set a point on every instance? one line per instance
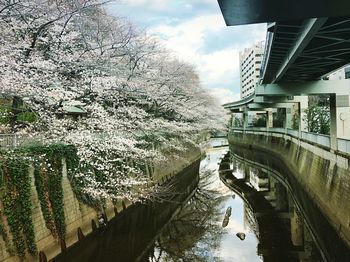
(27, 117)
(318, 119)
(4, 115)
(236, 121)
(56, 199)
(317, 116)
(279, 117)
(295, 120)
(42, 189)
(15, 195)
(260, 121)
(16, 192)
(48, 182)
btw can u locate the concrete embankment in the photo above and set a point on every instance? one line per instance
(319, 177)
(130, 233)
(80, 220)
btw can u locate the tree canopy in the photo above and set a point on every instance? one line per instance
(139, 100)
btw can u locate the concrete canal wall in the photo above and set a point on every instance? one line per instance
(323, 174)
(80, 216)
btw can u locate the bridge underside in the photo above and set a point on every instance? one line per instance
(239, 12)
(306, 40)
(306, 50)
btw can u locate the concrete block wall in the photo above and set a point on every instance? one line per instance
(79, 215)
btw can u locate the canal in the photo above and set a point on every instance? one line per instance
(265, 224)
(235, 209)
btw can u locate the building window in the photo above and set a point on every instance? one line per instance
(347, 75)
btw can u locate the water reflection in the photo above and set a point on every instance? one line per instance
(272, 225)
(285, 215)
(196, 233)
(194, 230)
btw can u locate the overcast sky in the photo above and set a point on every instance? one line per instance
(196, 32)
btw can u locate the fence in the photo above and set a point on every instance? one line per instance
(344, 145)
(319, 139)
(15, 140)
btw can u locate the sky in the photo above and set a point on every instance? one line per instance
(196, 33)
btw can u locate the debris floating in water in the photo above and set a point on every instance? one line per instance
(225, 221)
(228, 211)
(227, 217)
(233, 196)
(240, 235)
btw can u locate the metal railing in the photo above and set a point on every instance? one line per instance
(323, 140)
(313, 138)
(344, 145)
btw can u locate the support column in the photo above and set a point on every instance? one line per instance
(245, 120)
(289, 118)
(303, 104)
(269, 119)
(333, 121)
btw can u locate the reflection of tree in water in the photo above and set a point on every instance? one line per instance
(195, 230)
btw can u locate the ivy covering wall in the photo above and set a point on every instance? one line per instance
(16, 224)
(17, 206)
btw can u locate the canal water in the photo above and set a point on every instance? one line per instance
(233, 210)
(198, 232)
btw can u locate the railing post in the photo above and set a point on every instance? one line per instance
(333, 124)
(245, 121)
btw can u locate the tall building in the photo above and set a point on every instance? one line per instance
(340, 74)
(250, 62)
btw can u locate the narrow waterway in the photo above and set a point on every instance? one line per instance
(234, 210)
(199, 232)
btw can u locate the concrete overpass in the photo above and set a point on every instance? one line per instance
(306, 40)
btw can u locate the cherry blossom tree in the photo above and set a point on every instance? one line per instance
(140, 102)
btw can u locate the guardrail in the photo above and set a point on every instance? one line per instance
(323, 140)
(15, 140)
(319, 139)
(344, 145)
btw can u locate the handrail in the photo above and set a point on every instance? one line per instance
(313, 138)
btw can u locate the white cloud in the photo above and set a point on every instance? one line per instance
(196, 32)
(217, 67)
(224, 95)
(155, 4)
(188, 37)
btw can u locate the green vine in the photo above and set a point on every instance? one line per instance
(3, 231)
(16, 192)
(48, 182)
(42, 189)
(56, 195)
